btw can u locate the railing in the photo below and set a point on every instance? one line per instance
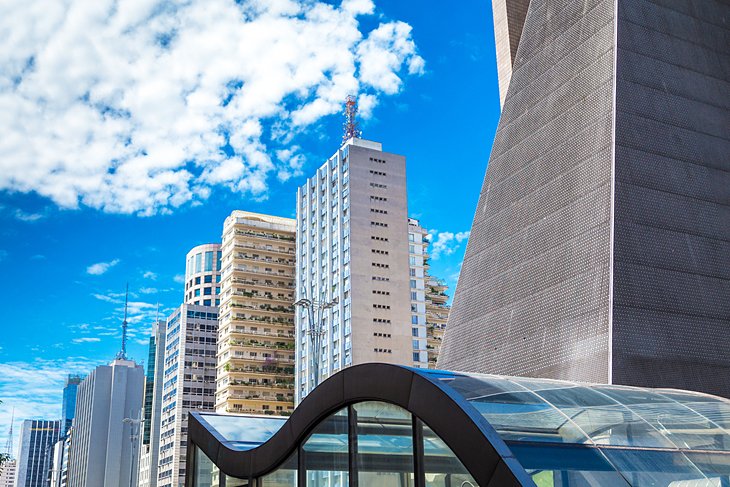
(261, 284)
(265, 235)
(256, 397)
(263, 333)
(255, 343)
(264, 249)
(268, 273)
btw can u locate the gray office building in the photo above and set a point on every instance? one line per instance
(37, 437)
(600, 247)
(105, 437)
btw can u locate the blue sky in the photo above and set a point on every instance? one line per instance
(108, 178)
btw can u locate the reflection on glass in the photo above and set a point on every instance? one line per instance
(203, 470)
(243, 432)
(656, 467)
(443, 468)
(234, 482)
(384, 445)
(326, 453)
(566, 465)
(284, 476)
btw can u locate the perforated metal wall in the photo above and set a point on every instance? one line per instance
(671, 321)
(533, 296)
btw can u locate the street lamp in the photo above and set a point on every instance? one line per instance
(132, 423)
(315, 330)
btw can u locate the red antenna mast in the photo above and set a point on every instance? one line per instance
(350, 125)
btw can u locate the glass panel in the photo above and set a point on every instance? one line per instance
(384, 445)
(203, 470)
(656, 467)
(326, 453)
(443, 468)
(566, 465)
(285, 476)
(713, 465)
(208, 261)
(243, 432)
(234, 482)
(198, 262)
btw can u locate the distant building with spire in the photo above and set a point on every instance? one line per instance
(8, 468)
(105, 441)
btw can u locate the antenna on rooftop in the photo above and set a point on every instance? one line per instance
(122, 355)
(351, 126)
(9, 444)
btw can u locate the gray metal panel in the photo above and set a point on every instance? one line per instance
(672, 213)
(533, 296)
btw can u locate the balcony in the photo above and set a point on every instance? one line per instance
(240, 331)
(263, 369)
(262, 319)
(259, 397)
(260, 272)
(265, 235)
(263, 248)
(258, 344)
(267, 260)
(266, 284)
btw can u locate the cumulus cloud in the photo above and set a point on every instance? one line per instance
(445, 243)
(101, 267)
(140, 107)
(150, 275)
(179, 278)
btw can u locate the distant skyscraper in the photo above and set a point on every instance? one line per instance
(152, 407)
(188, 383)
(68, 407)
(105, 437)
(600, 247)
(203, 275)
(352, 229)
(7, 473)
(256, 336)
(37, 438)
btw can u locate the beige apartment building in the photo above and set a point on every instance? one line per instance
(255, 360)
(351, 252)
(437, 314)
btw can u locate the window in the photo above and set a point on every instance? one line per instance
(197, 280)
(326, 452)
(208, 278)
(208, 291)
(206, 302)
(196, 292)
(208, 261)
(198, 262)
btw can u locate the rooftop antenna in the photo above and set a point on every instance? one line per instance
(122, 355)
(9, 444)
(351, 126)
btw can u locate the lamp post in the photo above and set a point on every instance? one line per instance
(315, 330)
(132, 423)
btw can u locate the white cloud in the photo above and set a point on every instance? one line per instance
(101, 267)
(127, 106)
(445, 243)
(86, 340)
(148, 290)
(34, 389)
(179, 278)
(150, 275)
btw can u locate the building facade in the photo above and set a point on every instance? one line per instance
(35, 457)
(352, 229)
(187, 383)
(600, 247)
(68, 408)
(8, 470)
(417, 261)
(105, 436)
(203, 275)
(256, 336)
(437, 315)
(149, 448)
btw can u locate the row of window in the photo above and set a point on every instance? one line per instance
(378, 251)
(382, 266)
(382, 350)
(381, 161)
(377, 173)
(384, 335)
(378, 224)
(379, 186)
(377, 210)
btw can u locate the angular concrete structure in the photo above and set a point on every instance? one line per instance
(600, 248)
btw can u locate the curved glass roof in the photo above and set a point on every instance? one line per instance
(647, 436)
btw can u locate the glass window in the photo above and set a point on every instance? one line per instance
(197, 280)
(203, 470)
(208, 291)
(206, 302)
(196, 292)
(208, 278)
(208, 261)
(285, 475)
(442, 467)
(384, 445)
(219, 254)
(198, 262)
(326, 453)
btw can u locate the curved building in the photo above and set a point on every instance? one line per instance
(432, 428)
(203, 275)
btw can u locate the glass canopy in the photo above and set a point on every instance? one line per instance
(565, 433)
(561, 433)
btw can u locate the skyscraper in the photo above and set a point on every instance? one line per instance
(256, 336)
(149, 448)
(203, 275)
(188, 383)
(352, 229)
(37, 437)
(68, 408)
(104, 447)
(417, 255)
(600, 248)
(8, 470)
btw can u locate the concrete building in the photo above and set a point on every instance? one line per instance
(256, 336)
(437, 315)
(35, 457)
(104, 446)
(59, 466)
(188, 383)
(7, 473)
(149, 448)
(600, 247)
(202, 275)
(352, 229)
(417, 255)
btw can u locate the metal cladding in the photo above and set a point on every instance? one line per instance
(600, 248)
